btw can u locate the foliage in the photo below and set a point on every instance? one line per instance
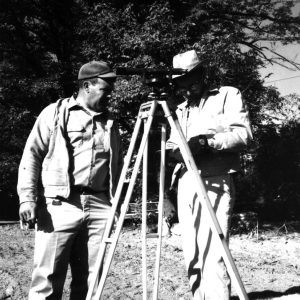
(278, 158)
(14, 124)
(43, 43)
(271, 185)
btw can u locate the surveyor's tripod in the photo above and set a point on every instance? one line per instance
(147, 113)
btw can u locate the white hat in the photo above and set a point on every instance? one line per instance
(188, 61)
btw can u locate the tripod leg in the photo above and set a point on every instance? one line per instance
(114, 240)
(160, 209)
(201, 190)
(111, 217)
(144, 221)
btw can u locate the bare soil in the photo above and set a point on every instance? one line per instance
(268, 260)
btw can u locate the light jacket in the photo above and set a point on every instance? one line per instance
(221, 115)
(44, 167)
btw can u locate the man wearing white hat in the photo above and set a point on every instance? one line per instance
(216, 125)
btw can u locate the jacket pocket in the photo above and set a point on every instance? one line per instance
(53, 178)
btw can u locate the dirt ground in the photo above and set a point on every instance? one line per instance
(268, 260)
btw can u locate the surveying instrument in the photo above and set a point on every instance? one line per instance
(157, 79)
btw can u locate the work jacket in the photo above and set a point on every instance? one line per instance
(220, 115)
(44, 167)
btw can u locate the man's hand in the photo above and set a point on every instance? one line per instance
(176, 154)
(170, 209)
(27, 213)
(198, 144)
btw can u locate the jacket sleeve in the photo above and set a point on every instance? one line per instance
(35, 150)
(233, 129)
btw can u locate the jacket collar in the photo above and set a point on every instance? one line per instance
(206, 94)
(72, 102)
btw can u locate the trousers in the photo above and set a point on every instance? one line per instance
(68, 234)
(202, 251)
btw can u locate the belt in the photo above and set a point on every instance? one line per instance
(84, 190)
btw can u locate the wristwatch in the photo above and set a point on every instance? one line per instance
(202, 142)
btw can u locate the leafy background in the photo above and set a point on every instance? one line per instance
(43, 43)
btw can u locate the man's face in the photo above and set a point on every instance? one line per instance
(99, 94)
(191, 85)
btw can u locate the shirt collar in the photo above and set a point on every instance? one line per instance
(72, 103)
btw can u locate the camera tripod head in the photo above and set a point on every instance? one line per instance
(151, 72)
(159, 80)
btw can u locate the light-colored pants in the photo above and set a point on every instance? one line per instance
(207, 272)
(69, 233)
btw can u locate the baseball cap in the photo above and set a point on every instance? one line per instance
(96, 69)
(188, 61)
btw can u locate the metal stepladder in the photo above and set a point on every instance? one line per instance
(146, 113)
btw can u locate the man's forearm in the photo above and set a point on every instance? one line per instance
(29, 172)
(35, 150)
(235, 140)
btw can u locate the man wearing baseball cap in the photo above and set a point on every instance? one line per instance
(67, 177)
(216, 125)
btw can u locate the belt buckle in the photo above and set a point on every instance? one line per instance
(83, 190)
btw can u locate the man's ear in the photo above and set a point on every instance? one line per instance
(86, 86)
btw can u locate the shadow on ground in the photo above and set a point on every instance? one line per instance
(266, 295)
